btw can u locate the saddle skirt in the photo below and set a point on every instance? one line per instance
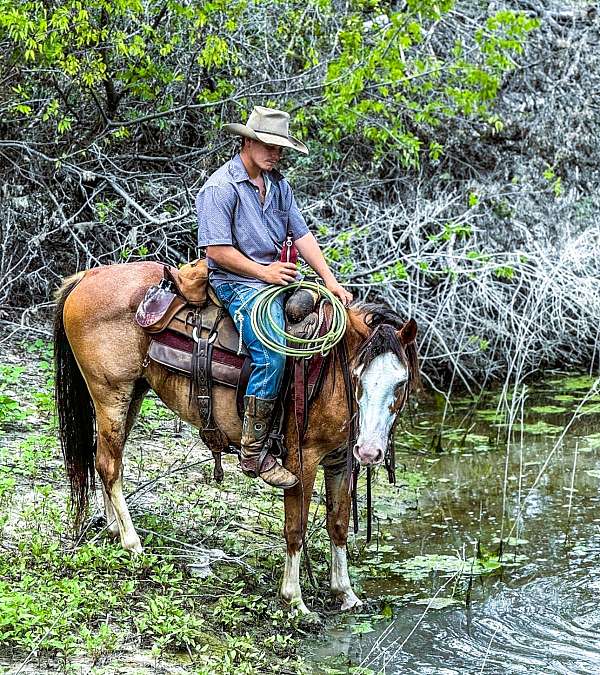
(173, 346)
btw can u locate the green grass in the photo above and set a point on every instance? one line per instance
(71, 602)
(87, 601)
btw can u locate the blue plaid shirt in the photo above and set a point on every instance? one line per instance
(229, 212)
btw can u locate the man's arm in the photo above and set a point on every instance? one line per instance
(233, 260)
(309, 249)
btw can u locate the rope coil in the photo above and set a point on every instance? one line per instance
(262, 316)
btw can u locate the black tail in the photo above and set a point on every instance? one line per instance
(76, 414)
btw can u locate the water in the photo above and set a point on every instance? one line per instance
(539, 612)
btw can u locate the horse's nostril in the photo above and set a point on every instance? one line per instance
(368, 455)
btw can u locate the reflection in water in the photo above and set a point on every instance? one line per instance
(539, 615)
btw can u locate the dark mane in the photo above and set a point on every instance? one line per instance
(376, 313)
(383, 323)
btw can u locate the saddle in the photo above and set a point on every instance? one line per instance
(199, 340)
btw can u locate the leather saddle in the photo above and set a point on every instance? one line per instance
(173, 346)
(202, 343)
(197, 341)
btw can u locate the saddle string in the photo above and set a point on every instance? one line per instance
(369, 505)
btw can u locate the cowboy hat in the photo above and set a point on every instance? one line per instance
(268, 126)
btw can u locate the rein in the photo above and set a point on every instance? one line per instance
(352, 465)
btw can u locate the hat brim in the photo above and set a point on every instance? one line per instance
(270, 139)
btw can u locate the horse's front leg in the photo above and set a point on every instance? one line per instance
(338, 515)
(297, 503)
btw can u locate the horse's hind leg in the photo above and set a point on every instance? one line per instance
(111, 519)
(115, 415)
(140, 390)
(338, 514)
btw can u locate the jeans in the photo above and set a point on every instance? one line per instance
(267, 365)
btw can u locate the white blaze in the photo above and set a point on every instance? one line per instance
(379, 381)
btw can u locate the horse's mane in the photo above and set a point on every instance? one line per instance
(383, 322)
(376, 313)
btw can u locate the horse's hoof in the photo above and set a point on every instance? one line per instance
(298, 608)
(134, 546)
(300, 611)
(97, 523)
(113, 530)
(113, 534)
(311, 619)
(351, 602)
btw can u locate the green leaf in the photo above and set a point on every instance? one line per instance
(547, 409)
(542, 428)
(362, 628)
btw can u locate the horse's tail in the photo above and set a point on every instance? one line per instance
(76, 414)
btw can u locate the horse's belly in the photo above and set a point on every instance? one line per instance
(173, 390)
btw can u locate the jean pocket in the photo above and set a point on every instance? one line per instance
(225, 293)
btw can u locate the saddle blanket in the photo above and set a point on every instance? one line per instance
(174, 351)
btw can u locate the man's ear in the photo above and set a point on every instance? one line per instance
(408, 333)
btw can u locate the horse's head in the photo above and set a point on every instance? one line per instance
(386, 371)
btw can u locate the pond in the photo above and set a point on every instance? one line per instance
(447, 596)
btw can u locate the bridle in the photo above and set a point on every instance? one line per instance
(350, 383)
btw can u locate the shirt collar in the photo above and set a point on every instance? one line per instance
(239, 174)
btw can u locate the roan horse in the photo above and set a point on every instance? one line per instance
(102, 376)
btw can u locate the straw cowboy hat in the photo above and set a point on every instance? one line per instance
(269, 126)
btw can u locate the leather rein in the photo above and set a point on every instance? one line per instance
(352, 464)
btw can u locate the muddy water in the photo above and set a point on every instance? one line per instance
(533, 604)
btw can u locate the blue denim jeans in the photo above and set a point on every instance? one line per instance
(267, 365)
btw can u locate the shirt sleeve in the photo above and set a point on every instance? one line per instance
(296, 221)
(214, 208)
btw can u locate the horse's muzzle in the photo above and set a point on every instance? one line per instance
(368, 455)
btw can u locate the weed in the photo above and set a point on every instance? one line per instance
(169, 621)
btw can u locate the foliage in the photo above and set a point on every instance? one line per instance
(102, 97)
(127, 67)
(421, 566)
(87, 600)
(10, 409)
(58, 600)
(395, 93)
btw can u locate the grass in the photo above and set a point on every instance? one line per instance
(69, 604)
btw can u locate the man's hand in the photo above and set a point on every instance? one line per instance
(310, 250)
(340, 292)
(279, 273)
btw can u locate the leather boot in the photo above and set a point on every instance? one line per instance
(255, 459)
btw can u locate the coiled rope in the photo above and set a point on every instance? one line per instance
(262, 316)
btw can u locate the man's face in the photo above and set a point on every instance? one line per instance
(263, 155)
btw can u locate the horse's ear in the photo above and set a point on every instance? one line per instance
(408, 333)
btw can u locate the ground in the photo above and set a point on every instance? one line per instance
(203, 596)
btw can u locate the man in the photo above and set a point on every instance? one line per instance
(245, 211)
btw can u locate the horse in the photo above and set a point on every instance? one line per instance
(102, 376)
